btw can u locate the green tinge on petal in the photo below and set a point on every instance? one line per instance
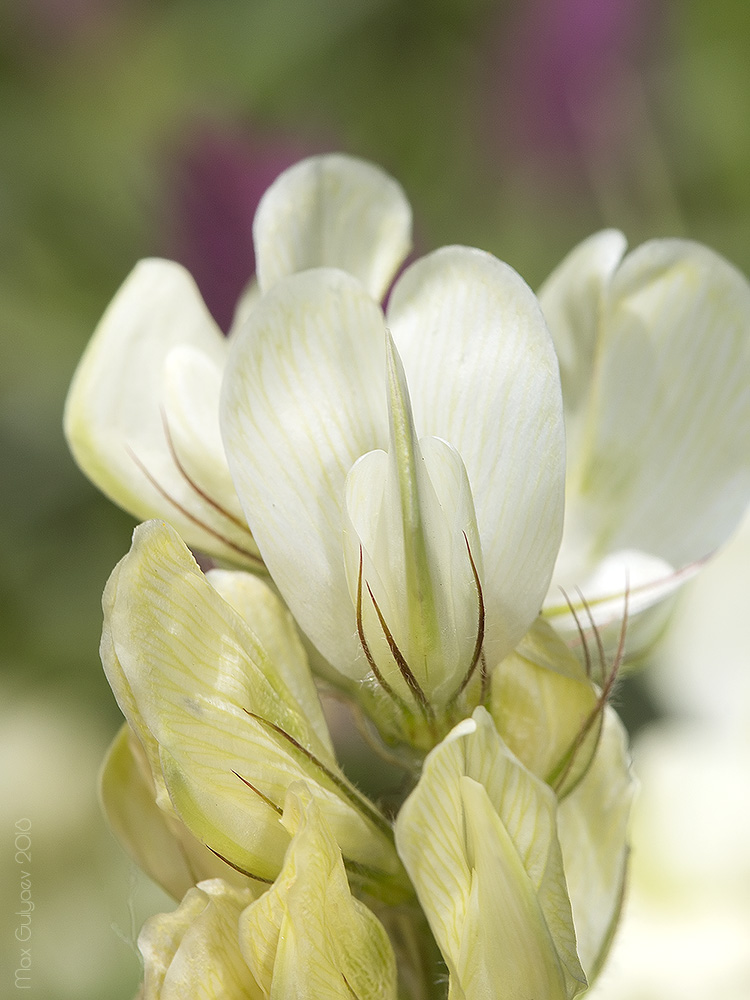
(483, 376)
(231, 734)
(141, 417)
(333, 211)
(525, 960)
(571, 299)
(123, 693)
(413, 556)
(414, 493)
(157, 841)
(303, 398)
(274, 626)
(664, 467)
(308, 937)
(440, 855)
(593, 830)
(176, 638)
(544, 707)
(195, 951)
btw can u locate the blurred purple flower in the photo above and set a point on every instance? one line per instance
(57, 23)
(218, 178)
(558, 71)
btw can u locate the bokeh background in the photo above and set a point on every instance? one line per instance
(131, 128)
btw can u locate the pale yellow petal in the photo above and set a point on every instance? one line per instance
(439, 830)
(308, 937)
(157, 841)
(593, 830)
(231, 734)
(545, 708)
(194, 953)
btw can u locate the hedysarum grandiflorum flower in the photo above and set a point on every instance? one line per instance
(215, 685)
(142, 415)
(402, 474)
(214, 682)
(488, 848)
(654, 351)
(307, 936)
(227, 713)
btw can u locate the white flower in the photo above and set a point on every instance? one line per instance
(402, 474)
(654, 352)
(142, 413)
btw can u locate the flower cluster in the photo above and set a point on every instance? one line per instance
(385, 501)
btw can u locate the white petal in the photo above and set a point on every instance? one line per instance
(484, 377)
(625, 584)
(666, 464)
(593, 827)
(117, 417)
(571, 300)
(333, 211)
(304, 397)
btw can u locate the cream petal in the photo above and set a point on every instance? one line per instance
(666, 463)
(304, 397)
(626, 587)
(158, 842)
(117, 420)
(195, 951)
(571, 299)
(484, 377)
(231, 735)
(470, 785)
(274, 626)
(593, 830)
(333, 211)
(308, 937)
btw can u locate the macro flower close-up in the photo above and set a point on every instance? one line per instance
(381, 498)
(375, 449)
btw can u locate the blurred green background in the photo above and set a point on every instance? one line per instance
(131, 128)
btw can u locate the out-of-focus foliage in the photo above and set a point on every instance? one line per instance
(131, 128)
